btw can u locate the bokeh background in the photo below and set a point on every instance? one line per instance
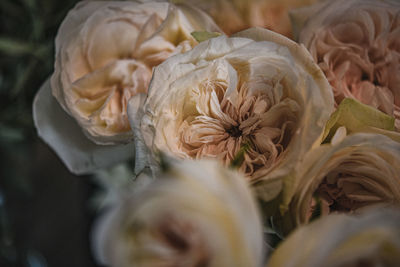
(45, 212)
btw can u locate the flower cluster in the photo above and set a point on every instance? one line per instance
(238, 138)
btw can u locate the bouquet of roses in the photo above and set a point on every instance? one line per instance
(262, 132)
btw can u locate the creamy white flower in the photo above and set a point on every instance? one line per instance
(339, 240)
(257, 93)
(358, 171)
(197, 213)
(105, 52)
(356, 44)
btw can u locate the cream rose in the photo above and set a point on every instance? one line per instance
(258, 95)
(105, 52)
(369, 239)
(356, 172)
(237, 15)
(356, 44)
(196, 214)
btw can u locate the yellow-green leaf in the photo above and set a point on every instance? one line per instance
(358, 117)
(201, 36)
(239, 157)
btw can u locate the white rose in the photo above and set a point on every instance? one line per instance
(197, 213)
(337, 240)
(105, 52)
(259, 94)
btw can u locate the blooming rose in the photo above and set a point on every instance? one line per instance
(196, 214)
(105, 52)
(358, 171)
(356, 44)
(258, 95)
(338, 240)
(242, 14)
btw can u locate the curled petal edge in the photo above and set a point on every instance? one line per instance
(61, 132)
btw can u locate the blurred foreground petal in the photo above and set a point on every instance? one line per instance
(369, 239)
(197, 213)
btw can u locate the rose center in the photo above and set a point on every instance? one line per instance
(234, 131)
(365, 77)
(185, 240)
(338, 192)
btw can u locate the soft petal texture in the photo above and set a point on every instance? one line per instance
(105, 52)
(338, 240)
(361, 170)
(236, 15)
(258, 90)
(197, 214)
(63, 135)
(356, 44)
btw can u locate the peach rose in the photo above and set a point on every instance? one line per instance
(257, 97)
(356, 44)
(105, 52)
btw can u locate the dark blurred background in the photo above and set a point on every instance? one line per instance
(45, 217)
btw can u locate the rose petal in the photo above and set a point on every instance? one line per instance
(65, 137)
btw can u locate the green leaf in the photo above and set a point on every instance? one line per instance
(317, 211)
(289, 187)
(165, 164)
(177, 2)
(23, 78)
(201, 36)
(10, 9)
(239, 157)
(15, 47)
(358, 117)
(29, 4)
(10, 134)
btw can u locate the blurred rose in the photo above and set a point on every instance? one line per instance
(236, 15)
(339, 240)
(356, 43)
(359, 171)
(105, 52)
(196, 214)
(259, 97)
